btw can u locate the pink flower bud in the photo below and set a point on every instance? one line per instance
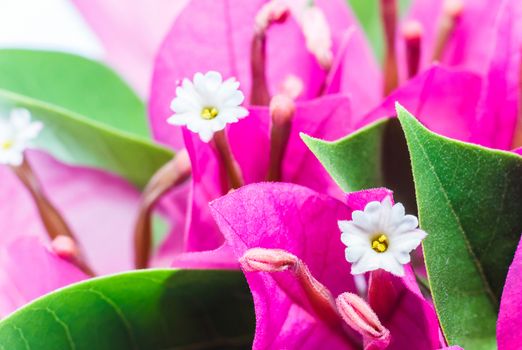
(317, 35)
(359, 316)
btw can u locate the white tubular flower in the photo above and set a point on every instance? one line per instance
(380, 237)
(15, 135)
(207, 104)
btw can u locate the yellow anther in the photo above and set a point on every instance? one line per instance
(5, 145)
(380, 243)
(209, 113)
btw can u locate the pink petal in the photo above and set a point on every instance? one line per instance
(131, 32)
(499, 106)
(327, 118)
(221, 258)
(435, 97)
(207, 35)
(222, 42)
(301, 222)
(99, 207)
(403, 310)
(358, 200)
(473, 41)
(355, 72)
(509, 333)
(29, 270)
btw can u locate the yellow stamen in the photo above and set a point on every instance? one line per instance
(380, 243)
(209, 113)
(7, 144)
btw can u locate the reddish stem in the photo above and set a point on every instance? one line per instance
(170, 175)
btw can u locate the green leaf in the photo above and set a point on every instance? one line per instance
(373, 156)
(140, 310)
(91, 117)
(74, 83)
(354, 162)
(469, 203)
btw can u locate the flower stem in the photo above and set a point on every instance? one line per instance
(452, 11)
(54, 223)
(232, 170)
(412, 33)
(282, 110)
(170, 175)
(389, 20)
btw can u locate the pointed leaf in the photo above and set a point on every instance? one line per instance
(354, 161)
(150, 309)
(469, 203)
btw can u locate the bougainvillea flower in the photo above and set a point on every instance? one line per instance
(224, 44)
(287, 239)
(327, 118)
(207, 104)
(509, 334)
(380, 236)
(131, 33)
(30, 269)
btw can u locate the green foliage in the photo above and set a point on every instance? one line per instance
(91, 117)
(468, 199)
(140, 310)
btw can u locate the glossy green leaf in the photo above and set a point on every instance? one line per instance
(140, 310)
(74, 83)
(92, 118)
(77, 140)
(469, 201)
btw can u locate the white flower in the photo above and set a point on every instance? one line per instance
(15, 135)
(380, 237)
(207, 104)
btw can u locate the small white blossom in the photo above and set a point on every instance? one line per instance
(207, 104)
(15, 135)
(380, 237)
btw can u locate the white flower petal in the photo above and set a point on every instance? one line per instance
(207, 91)
(206, 135)
(368, 262)
(352, 238)
(354, 252)
(400, 233)
(407, 241)
(390, 264)
(20, 118)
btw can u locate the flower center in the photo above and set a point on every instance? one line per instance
(380, 243)
(209, 113)
(6, 144)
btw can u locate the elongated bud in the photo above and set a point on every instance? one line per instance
(172, 174)
(319, 297)
(282, 110)
(360, 317)
(267, 260)
(517, 137)
(389, 20)
(318, 36)
(451, 14)
(272, 12)
(412, 33)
